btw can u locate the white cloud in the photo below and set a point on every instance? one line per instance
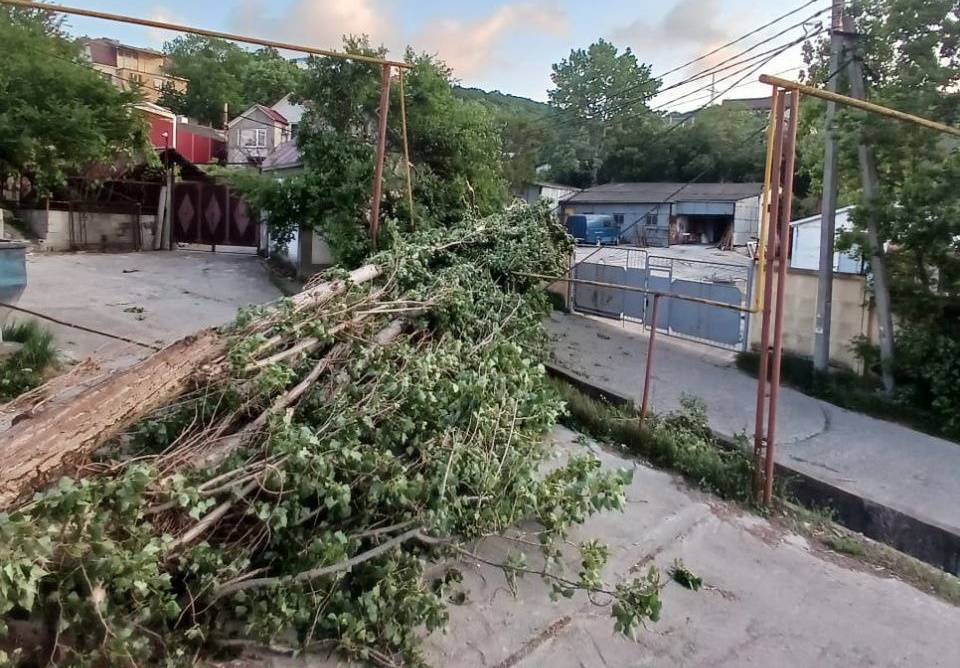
(156, 37)
(689, 27)
(471, 48)
(316, 23)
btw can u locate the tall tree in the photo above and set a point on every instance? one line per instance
(911, 54)
(455, 149)
(598, 89)
(221, 73)
(57, 115)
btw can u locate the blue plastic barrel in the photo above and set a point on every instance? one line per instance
(13, 274)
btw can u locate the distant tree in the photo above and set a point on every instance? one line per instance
(455, 149)
(599, 89)
(57, 115)
(220, 72)
(268, 77)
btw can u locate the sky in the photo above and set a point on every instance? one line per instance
(498, 45)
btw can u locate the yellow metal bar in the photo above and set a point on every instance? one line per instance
(163, 25)
(786, 84)
(765, 211)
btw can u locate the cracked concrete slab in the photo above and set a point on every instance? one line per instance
(769, 598)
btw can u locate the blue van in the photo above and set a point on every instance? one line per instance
(593, 229)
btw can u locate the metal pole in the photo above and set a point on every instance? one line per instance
(406, 148)
(765, 204)
(381, 153)
(828, 217)
(175, 27)
(783, 259)
(645, 403)
(759, 433)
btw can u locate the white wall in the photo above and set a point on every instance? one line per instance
(102, 230)
(746, 220)
(806, 245)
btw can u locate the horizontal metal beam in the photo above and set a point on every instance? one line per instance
(163, 25)
(830, 96)
(630, 288)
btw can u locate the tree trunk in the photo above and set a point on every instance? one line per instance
(878, 259)
(58, 436)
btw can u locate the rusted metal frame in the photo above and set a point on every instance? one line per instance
(760, 441)
(381, 154)
(783, 259)
(786, 84)
(648, 371)
(630, 288)
(175, 27)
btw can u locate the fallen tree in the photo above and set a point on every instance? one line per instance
(294, 474)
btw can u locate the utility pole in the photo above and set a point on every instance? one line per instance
(828, 210)
(878, 260)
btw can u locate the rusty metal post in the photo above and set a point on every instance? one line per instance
(648, 371)
(783, 259)
(759, 436)
(381, 153)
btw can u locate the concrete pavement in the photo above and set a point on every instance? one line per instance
(152, 297)
(769, 597)
(883, 463)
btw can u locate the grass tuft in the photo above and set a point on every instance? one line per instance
(25, 369)
(681, 441)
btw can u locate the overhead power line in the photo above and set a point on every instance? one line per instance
(726, 64)
(743, 37)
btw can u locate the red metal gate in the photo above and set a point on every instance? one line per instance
(209, 214)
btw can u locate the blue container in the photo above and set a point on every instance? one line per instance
(593, 229)
(13, 274)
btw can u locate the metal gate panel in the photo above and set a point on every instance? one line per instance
(210, 214)
(595, 299)
(700, 321)
(634, 302)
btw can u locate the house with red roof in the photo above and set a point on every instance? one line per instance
(254, 134)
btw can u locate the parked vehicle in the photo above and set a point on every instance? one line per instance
(593, 229)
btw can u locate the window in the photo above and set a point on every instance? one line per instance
(618, 219)
(252, 138)
(158, 84)
(651, 220)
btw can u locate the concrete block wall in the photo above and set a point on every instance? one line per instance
(106, 231)
(852, 316)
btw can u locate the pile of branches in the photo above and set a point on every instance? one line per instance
(310, 480)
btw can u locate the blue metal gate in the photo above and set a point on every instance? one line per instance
(714, 281)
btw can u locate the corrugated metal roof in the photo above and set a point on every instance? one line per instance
(648, 193)
(285, 156)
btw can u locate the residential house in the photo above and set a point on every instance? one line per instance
(291, 111)
(552, 192)
(805, 244)
(661, 214)
(126, 66)
(199, 144)
(254, 134)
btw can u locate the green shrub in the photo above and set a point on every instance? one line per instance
(24, 370)
(679, 440)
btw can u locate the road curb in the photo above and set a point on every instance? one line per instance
(918, 537)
